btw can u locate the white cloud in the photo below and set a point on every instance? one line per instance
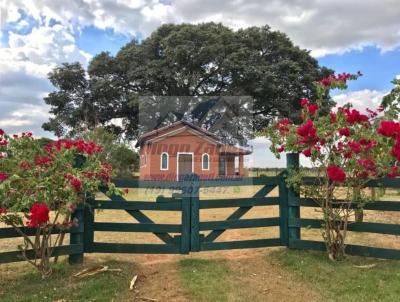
(24, 66)
(13, 122)
(322, 26)
(361, 99)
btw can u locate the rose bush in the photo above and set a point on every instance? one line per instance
(41, 186)
(347, 148)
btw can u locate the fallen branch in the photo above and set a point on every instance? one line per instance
(95, 270)
(133, 281)
(365, 266)
(147, 299)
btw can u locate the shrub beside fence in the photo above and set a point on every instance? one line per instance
(74, 248)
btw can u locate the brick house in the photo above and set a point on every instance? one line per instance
(173, 151)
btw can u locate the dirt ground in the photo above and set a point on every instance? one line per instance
(255, 276)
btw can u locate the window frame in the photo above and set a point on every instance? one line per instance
(208, 162)
(161, 161)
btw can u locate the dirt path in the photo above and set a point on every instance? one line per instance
(254, 277)
(158, 282)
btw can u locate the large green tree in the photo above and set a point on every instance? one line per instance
(185, 60)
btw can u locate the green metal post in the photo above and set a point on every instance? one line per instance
(88, 233)
(194, 214)
(185, 233)
(293, 163)
(283, 209)
(77, 238)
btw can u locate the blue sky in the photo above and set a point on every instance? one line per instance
(37, 36)
(94, 40)
(379, 68)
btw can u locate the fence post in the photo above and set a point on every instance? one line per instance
(88, 233)
(194, 214)
(283, 209)
(293, 163)
(77, 237)
(185, 218)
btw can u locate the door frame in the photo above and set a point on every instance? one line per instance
(177, 162)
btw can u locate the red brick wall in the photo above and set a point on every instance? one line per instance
(181, 142)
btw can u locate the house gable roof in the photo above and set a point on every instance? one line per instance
(179, 126)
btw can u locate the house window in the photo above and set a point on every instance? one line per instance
(206, 162)
(164, 161)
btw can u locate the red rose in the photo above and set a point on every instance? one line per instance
(308, 133)
(24, 165)
(396, 153)
(313, 108)
(307, 152)
(396, 149)
(389, 128)
(326, 82)
(354, 116)
(304, 102)
(347, 155)
(1, 131)
(354, 146)
(335, 173)
(283, 125)
(38, 215)
(333, 117)
(3, 210)
(43, 160)
(368, 144)
(372, 113)
(280, 149)
(367, 164)
(105, 172)
(344, 131)
(76, 183)
(393, 172)
(3, 176)
(80, 145)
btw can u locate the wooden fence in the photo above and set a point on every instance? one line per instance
(188, 235)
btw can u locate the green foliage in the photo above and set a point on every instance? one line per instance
(343, 281)
(184, 60)
(391, 101)
(122, 157)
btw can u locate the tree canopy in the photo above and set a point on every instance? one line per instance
(392, 99)
(184, 60)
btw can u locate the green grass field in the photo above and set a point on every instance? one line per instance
(62, 286)
(354, 279)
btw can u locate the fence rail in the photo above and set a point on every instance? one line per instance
(190, 234)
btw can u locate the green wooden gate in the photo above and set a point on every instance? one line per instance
(214, 229)
(184, 237)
